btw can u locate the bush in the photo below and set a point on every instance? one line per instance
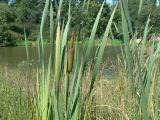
(6, 38)
(16, 36)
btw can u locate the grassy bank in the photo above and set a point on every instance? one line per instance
(97, 42)
(18, 102)
(110, 99)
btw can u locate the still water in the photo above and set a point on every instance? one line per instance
(15, 56)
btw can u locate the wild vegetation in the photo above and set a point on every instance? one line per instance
(71, 87)
(21, 13)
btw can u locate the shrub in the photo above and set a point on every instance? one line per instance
(6, 38)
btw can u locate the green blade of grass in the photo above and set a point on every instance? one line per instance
(26, 45)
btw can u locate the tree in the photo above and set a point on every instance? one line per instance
(138, 22)
(6, 38)
(83, 20)
(149, 8)
(28, 11)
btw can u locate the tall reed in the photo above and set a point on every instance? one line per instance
(60, 92)
(146, 70)
(51, 102)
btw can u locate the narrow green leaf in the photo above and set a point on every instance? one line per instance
(26, 45)
(124, 5)
(92, 36)
(65, 35)
(140, 7)
(77, 90)
(144, 41)
(51, 32)
(101, 50)
(126, 42)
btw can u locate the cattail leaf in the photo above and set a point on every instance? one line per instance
(65, 35)
(76, 93)
(61, 112)
(101, 50)
(69, 9)
(57, 64)
(75, 114)
(140, 7)
(92, 36)
(70, 97)
(144, 41)
(126, 42)
(72, 87)
(51, 32)
(59, 10)
(124, 5)
(43, 20)
(55, 106)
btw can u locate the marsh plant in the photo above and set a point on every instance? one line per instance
(65, 99)
(72, 89)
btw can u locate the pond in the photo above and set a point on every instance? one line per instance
(15, 56)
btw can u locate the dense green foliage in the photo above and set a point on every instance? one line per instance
(149, 7)
(5, 17)
(27, 14)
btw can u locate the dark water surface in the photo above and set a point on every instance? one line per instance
(16, 56)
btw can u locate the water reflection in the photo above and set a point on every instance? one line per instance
(16, 57)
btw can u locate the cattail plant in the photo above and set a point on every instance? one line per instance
(145, 77)
(65, 60)
(62, 96)
(71, 53)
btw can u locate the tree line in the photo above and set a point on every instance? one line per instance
(27, 14)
